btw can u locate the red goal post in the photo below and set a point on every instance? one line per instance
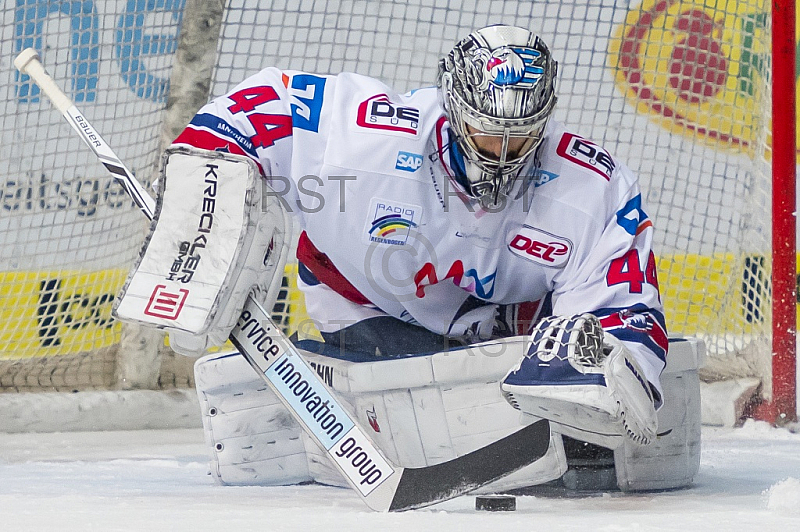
(692, 95)
(783, 407)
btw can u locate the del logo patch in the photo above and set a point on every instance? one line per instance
(540, 246)
(379, 113)
(390, 222)
(587, 154)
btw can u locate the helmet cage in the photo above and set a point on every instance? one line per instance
(464, 70)
(530, 128)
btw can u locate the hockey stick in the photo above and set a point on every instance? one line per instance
(382, 485)
(27, 62)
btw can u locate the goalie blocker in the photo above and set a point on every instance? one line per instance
(214, 238)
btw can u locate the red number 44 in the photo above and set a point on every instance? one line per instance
(626, 269)
(268, 127)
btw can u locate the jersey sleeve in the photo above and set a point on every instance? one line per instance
(270, 117)
(618, 282)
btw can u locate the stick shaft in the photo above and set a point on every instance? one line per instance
(27, 62)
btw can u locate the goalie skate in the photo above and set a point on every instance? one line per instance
(589, 386)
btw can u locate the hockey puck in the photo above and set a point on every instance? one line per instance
(496, 503)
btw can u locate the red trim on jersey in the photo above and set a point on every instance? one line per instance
(643, 226)
(208, 141)
(527, 315)
(326, 272)
(440, 143)
(654, 331)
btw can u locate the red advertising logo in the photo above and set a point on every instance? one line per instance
(540, 246)
(372, 417)
(166, 304)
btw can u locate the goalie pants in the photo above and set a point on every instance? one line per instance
(388, 336)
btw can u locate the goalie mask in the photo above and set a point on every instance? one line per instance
(498, 89)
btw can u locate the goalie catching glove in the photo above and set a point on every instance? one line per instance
(585, 382)
(215, 238)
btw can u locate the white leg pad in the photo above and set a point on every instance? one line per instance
(429, 409)
(422, 410)
(252, 438)
(673, 459)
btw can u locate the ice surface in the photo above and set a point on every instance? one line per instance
(158, 480)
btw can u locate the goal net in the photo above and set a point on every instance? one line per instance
(679, 90)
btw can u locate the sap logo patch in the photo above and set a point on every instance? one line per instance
(166, 304)
(632, 218)
(379, 113)
(390, 222)
(540, 246)
(586, 154)
(408, 162)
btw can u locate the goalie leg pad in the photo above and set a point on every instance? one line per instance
(427, 409)
(422, 410)
(673, 459)
(214, 239)
(252, 438)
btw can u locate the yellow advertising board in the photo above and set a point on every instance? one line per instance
(52, 313)
(709, 294)
(57, 312)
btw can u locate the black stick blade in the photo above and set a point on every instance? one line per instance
(427, 485)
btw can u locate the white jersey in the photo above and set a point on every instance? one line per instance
(372, 177)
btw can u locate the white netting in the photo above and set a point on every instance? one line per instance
(68, 232)
(676, 89)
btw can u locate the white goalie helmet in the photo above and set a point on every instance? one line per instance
(498, 88)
